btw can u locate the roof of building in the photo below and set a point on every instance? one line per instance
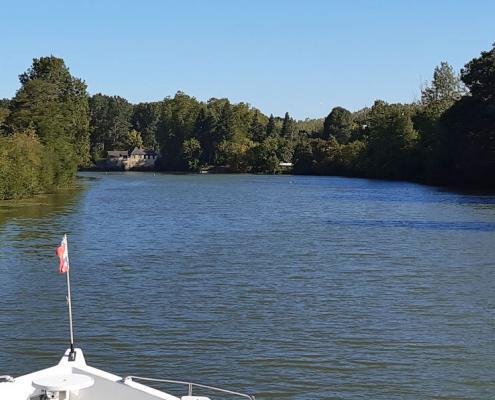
(134, 152)
(117, 153)
(141, 152)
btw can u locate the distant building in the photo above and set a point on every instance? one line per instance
(132, 159)
(117, 155)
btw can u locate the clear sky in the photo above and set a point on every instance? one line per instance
(304, 57)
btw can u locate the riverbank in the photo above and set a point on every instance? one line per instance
(228, 170)
(78, 185)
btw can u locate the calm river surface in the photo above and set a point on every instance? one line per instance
(289, 287)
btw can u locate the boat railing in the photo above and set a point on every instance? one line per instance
(190, 386)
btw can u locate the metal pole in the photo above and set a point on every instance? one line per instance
(72, 354)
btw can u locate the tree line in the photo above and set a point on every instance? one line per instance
(52, 127)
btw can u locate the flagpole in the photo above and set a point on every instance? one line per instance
(72, 354)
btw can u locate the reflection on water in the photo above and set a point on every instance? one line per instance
(290, 287)
(39, 206)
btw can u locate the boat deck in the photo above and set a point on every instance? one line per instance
(75, 380)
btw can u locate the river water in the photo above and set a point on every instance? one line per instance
(287, 286)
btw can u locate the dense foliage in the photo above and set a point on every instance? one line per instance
(52, 126)
(44, 130)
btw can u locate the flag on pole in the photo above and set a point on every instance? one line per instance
(63, 253)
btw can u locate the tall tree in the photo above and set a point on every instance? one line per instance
(339, 124)
(177, 122)
(264, 156)
(391, 143)
(54, 103)
(204, 128)
(288, 127)
(257, 130)
(310, 127)
(144, 119)
(225, 125)
(134, 139)
(191, 151)
(270, 127)
(470, 125)
(446, 87)
(110, 123)
(479, 76)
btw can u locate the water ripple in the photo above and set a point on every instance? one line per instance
(289, 287)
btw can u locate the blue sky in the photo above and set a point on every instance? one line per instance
(304, 57)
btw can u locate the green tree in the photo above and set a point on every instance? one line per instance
(4, 112)
(54, 103)
(288, 127)
(470, 126)
(134, 139)
(310, 127)
(352, 159)
(110, 123)
(204, 128)
(303, 160)
(316, 156)
(392, 142)
(263, 156)
(225, 124)
(23, 170)
(257, 130)
(479, 76)
(71, 101)
(339, 124)
(270, 127)
(445, 89)
(177, 121)
(191, 152)
(144, 119)
(235, 153)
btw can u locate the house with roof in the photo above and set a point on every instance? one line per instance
(137, 159)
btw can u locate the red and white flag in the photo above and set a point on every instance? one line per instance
(63, 253)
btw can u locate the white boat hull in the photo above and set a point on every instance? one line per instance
(105, 385)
